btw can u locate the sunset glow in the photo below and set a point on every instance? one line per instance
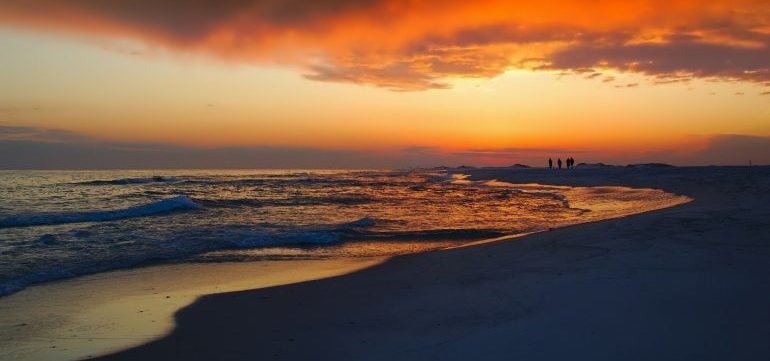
(428, 82)
(490, 180)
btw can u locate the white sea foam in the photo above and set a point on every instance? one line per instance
(166, 205)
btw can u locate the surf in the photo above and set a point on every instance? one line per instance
(178, 203)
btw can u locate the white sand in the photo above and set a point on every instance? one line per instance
(686, 283)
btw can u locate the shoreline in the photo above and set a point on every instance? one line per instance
(152, 299)
(106, 312)
(482, 246)
(19, 284)
(688, 282)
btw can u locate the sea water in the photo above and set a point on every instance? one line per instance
(60, 224)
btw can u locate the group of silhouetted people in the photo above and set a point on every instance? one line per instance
(569, 162)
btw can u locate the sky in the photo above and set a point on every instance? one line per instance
(382, 83)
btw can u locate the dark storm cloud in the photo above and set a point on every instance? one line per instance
(681, 55)
(417, 45)
(190, 19)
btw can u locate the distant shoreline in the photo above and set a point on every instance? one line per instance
(448, 168)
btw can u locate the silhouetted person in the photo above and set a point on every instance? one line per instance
(572, 161)
(558, 161)
(550, 163)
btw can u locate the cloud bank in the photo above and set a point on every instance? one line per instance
(417, 45)
(42, 148)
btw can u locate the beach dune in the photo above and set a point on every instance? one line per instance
(690, 282)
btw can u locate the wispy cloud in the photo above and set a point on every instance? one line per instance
(27, 133)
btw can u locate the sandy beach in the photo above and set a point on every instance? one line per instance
(106, 312)
(384, 180)
(688, 282)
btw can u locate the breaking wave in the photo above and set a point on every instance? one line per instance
(178, 203)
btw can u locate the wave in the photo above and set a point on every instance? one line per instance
(124, 181)
(287, 202)
(285, 182)
(177, 250)
(168, 205)
(542, 192)
(198, 241)
(354, 234)
(190, 243)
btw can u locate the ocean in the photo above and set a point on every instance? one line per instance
(61, 224)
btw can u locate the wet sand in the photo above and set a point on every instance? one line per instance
(688, 282)
(106, 312)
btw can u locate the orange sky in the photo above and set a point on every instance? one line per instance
(633, 77)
